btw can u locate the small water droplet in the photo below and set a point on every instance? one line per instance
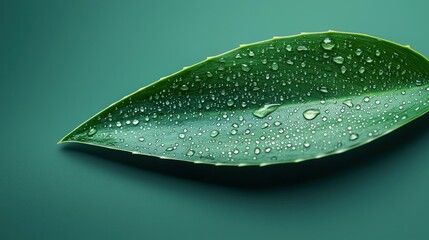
(141, 139)
(369, 59)
(184, 87)
(209, 74)
(265, 125)
(214, 133)
(311, 114)
(377, 52)
(306, 144)
(275, 66)
(277, 123)
(264, 61)
(135, 121)
(265, 110)
(234, 131)
(361, 70)
(328, 44)
(190, 153)
(118, 124)
(343, 69)
(289, 48)
(251, 53)
(366, 99)
(358, 52)
(169, 149)
(245, 67)
(418, 82)
(353, 136)
(338, 59)
(257, 150)
(301, 48)
(230, 102)
(92, 132)
(268, 149)
(348, 103)
(323, 89)
(181, 135)
(290, 62)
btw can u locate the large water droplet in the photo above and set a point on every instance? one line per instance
(353, 136)
(338, 59)
(245, 67)
(92, 132)
(358, 52)
(190, 153)
(265, 110)
(327, 44)
(275, 66)
(301, 48)
(311, 114)
(184, 87)
(214, 133)
(348, 103)
(230, 102)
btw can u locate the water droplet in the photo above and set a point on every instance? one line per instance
(353, 136)
(184, 87)
(306, 144)
(338, 59)
(323, 89)
(311, 114)
(245, 67)
(427, 89)
(92, 132)
(265, 110)
(230, 102)
(234, 131)
(251, 53)
(418, 82)
(377, 52)
(277, 123)
(135, 121)
(361, 69)
(209, 74)
(275, 66)
(289, 48)
(366, 99)
(369, 60)
(358, 52)
(268, 149)
(214, 133)
(257, 150)
(181, 135)
(141, 139)
(327, 44)
(190, 153)
(264, 61)
(118, 124)
(343, 69)
(169, 149)
(403, 92)
(301, 48)
(348, 103)
(290, 62)
(265, 125)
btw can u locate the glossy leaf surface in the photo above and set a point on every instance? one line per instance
(282, 100)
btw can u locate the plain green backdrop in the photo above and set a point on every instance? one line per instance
(63, 61)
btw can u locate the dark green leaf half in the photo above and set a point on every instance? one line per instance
(287, 99)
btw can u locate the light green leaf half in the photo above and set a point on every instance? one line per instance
(283, 100)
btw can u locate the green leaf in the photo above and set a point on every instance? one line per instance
(283, 100)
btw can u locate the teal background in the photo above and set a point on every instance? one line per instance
(63, 61)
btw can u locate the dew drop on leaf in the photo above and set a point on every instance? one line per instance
(311, 114)
(328, 44)
(265, 110)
